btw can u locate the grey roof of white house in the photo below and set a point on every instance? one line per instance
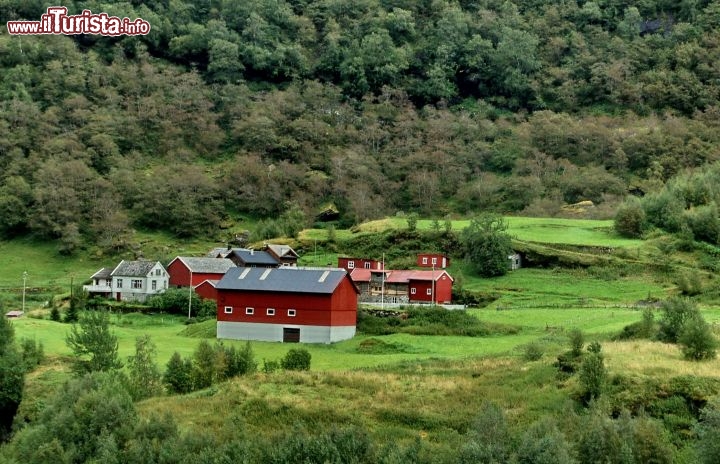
(283, 279)
(104, 273)
(133, 268)
(207, 265)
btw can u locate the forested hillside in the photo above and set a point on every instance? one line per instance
(262, 107)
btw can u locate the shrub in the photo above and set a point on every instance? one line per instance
(32, 352)
(577, 340)
(644, 328)
(270, 366)
(533, 351)
(630, 220)
(697, 340)
(177, 374)
(676, 313)
(297, 359)
(543, 443)
(592, 373)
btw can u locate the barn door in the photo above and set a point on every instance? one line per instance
(291, 335)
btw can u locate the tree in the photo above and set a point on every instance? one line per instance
(297, 359)
(489, 438)
(486, 246)
(92, 337)
(708, 432)
(543, 443)
(204, 366)
(12, 377)
(592, 373)
(630, 218)
(144, 378)
(697, 340)
(177, 374)
(676, 313)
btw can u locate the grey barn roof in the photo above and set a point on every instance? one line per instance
(283, 279)
(207, 265)
(283, 251)
(133, 268)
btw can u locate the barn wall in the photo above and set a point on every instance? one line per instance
(310, 309)
(274, 332)
(179, 274)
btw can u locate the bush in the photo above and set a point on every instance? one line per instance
(297, 359)
(642, 329)
(32, 352)
(592, 373)
(533, 351)
(697, 340)
(177, 374)
(270, 366)
(676, 313)
(577, 340)
(630, 220)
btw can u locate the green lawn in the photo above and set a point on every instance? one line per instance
(547, 230)
(544, 288)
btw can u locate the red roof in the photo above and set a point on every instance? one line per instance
(401, 277)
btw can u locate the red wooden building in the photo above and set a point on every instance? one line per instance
(206, 289)
(423, 286)
(286, 304)
(359, 263)
(436, 260)
(201, 269)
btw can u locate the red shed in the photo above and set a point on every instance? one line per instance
(287, 304)
(359, 263)
(420, 285)
(207, 289)
(201, 269)
(436, 260)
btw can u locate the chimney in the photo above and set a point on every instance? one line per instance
(252, 252)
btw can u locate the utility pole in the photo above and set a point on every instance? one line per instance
(432, 292)
(382, 285)
(25, 275)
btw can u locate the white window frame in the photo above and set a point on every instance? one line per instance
(434, 261)
(413, 290)
(424, 261)
(136, 284)
(119, 283)
(249, 311)
(428, 291)
(368, 265)
(228, 309)
(351, 264)
(270, 312)
(154, 284)
(292, 313)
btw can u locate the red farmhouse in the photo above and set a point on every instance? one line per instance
(436, 260)
(359, 263)
(286, 304)
(181, 269)
(420, 285)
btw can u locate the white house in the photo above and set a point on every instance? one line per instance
(130, 281)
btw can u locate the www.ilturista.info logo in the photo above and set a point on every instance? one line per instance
(57, 21)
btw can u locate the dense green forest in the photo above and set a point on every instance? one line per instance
(258, 108)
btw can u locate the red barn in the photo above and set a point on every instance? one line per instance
(359, 263)
(430, 286)
(286, 304)
(207, 289)
(201, 269)
(436, 260)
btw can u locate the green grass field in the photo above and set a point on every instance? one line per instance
(586, 232)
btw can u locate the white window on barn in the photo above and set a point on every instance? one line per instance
(434, 261)
(249, 311)
(291, 313)
(270, 312)
(228, 309)
(351, 264)
(413, 290)
(428, 291)
(424, 260)
(367, 265)
(136, 283)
